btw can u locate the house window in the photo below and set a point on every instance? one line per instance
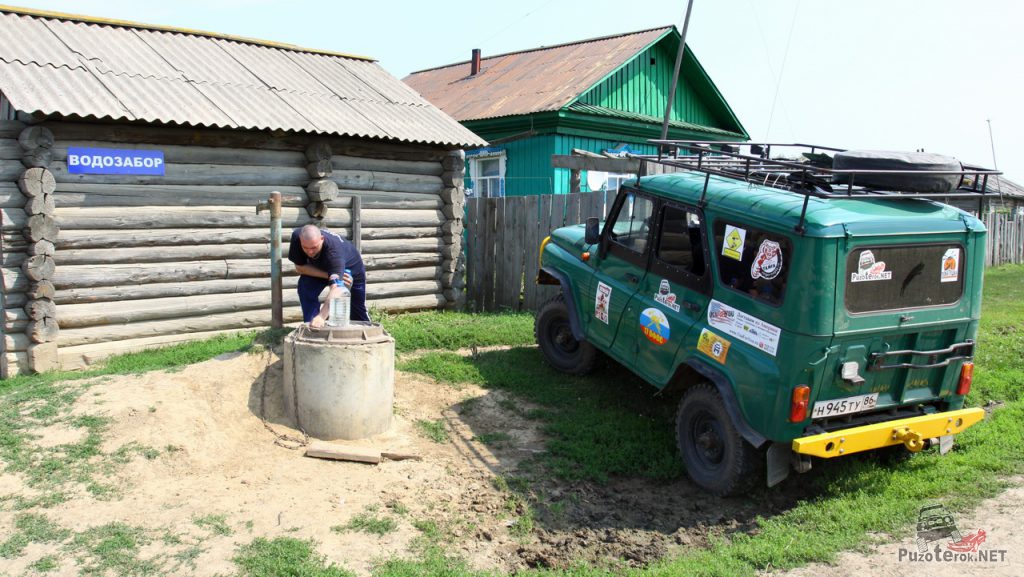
(487, 174)
(617, 180)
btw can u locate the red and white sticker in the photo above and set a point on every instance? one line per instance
(868, 269)
(768, 261)
(602, 300)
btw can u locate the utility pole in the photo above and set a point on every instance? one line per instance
(675, 73)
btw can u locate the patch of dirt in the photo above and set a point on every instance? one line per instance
(58, 434)
(998, 517)
(217, 457)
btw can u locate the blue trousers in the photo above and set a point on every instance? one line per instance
(309, 297)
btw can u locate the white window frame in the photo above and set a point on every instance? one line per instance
(495, 184)
(620, 179)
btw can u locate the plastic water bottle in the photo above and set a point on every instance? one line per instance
(341, 305)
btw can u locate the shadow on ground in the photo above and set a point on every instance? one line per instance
(592, 490)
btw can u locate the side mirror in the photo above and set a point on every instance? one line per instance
(593, 233)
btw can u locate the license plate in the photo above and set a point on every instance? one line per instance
(837, 407)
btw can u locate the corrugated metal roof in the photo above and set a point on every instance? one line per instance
(530, 81)
(70, 66)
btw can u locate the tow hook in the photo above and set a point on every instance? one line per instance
(910, 439)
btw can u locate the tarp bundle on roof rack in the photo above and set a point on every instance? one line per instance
(906, 163)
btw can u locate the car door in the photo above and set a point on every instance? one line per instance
(625, 249)
(674, 293)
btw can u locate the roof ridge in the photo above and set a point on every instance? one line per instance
(553, 46)
(162, 28)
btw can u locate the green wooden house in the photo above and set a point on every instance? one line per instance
(602, 94)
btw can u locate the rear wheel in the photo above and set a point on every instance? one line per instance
(717, 458)
(554, 336)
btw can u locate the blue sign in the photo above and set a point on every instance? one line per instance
(115, 161)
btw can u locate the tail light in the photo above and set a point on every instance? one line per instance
(798, 406)
(966, 376)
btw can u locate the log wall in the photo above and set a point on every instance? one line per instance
(141, 261)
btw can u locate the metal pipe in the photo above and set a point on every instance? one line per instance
(276, 298)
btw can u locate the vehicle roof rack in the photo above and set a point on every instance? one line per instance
(805, 169)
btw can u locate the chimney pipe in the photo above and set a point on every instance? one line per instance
(475, 63)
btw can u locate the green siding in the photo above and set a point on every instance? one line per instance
(642, 88)
(528, 166)
(564, 145)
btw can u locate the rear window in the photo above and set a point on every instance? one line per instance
(902, 277)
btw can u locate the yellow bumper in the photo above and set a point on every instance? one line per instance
(910, 432)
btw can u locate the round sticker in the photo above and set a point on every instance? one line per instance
(655, 327)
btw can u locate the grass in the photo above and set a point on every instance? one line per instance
(284, 557)
(599, 426)
(368, 522)
(113, 548)
(453, 330)
(433, 430)
(216, 524)
(31, 528)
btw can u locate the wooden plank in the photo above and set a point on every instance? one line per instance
(532, 242)
(342, 162)
(595, 163)
(386, 181)
(11, 128)
(572, 208)
(502, 256)
(469, 246)
(519, 253)
(490, 254)
(10, 196)
(161, 254)
(336, 452)
(77, 194)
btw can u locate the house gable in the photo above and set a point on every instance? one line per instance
(639, 88)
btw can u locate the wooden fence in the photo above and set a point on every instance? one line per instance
(503, 236)
(1005, 242)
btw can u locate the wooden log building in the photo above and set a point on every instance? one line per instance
(132, 158)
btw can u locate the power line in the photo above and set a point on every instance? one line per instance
(782, 72)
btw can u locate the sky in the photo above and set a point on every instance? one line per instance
(875, 74)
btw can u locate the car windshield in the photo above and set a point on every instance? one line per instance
(901, 277)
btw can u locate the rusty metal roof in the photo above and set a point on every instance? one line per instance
(538, 80)
(59, 64)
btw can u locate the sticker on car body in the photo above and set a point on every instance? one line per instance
(732, 244)
(747, 328)
(654, 325)
(869, 270)
(713, 345)
(950, 265)
(602, 300)
(665, 296)
(768, 261)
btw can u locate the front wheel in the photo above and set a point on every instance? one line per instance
(556, 341)
(717, 458)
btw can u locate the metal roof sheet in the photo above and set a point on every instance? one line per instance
(546, 78)
(67, 65)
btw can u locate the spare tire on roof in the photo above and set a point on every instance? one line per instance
(906, 161)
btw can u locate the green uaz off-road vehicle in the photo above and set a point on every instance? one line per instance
(805, 309)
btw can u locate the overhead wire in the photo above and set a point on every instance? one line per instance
(782, 71)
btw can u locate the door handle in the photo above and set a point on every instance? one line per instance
(632, 278)
(691, 306)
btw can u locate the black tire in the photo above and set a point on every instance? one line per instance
(717, 458)
(554, 337)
